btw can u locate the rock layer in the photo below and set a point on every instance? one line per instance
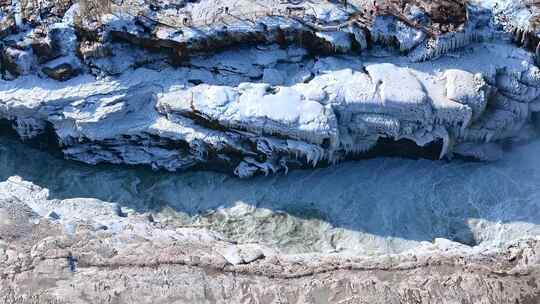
(86, 250)
(284, 107)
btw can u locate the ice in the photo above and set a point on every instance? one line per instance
(209, 96)
(136, 118)
(377, 206)
(246, 148)
(468, 89)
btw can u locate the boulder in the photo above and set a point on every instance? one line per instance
(44, 48)
(61, 72)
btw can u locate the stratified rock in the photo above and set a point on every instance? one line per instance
(7, 25)
(93, 50)
(18, 61)
(44, 48)
(68, 259)
(144, 84)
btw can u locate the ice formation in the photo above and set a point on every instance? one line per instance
(258, 87)
(392, 228)
(298, 88)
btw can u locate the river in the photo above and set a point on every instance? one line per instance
(371, 206)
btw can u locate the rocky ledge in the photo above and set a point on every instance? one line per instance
(261, 86)
(90, 251)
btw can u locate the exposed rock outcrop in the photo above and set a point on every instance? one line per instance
(160, 86)
(80, 250)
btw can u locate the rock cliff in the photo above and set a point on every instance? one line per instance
(261, 87)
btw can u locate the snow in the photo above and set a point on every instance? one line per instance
(349, 103)
(250, 100)
(386, 29)
(467, 89)
(341, 41)
(264, 108)
(398, 88)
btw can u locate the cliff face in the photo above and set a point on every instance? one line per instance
(260, 87)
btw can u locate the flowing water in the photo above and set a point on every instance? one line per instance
(370, 206)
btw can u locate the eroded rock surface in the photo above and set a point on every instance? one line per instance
(304, 84)
(86, 250)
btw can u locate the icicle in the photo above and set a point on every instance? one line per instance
(283, 164)
(537, 53)
(525, 39)
(443, 133)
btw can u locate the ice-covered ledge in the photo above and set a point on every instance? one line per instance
(159, 118)
(270, 103)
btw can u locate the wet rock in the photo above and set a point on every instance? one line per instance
(7, 25)
(61, 72)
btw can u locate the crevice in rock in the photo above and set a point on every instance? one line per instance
(404, 148)
(46, 140)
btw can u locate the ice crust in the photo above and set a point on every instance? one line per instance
(269, 107)
(136, 118)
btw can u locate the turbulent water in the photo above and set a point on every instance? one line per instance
(370, 206)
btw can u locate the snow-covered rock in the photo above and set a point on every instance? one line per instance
(64, 241)
(159, 93)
